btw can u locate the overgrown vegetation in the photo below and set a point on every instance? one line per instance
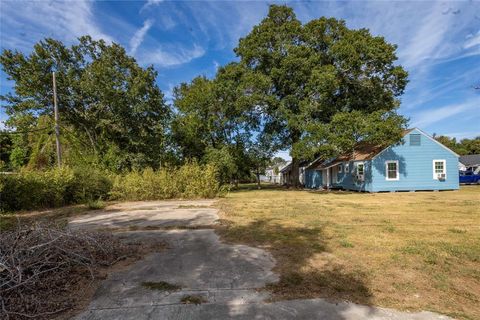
(188, 181)
(52, 188)
(58, 187)
(41, 268)
(314, 87)
(410, 251)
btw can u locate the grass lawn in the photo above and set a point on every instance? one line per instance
(410, 251)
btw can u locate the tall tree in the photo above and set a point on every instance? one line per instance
(104, 95)
(214, 121)
(315, 72)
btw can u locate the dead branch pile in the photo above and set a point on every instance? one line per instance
(40, 267)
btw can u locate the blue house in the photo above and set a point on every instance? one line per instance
(418, 162)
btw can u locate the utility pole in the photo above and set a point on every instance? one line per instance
(57, 128)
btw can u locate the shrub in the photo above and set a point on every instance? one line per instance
(52, 188)
(188, 181)
(63, 186)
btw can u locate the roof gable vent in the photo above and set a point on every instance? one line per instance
(415, 139)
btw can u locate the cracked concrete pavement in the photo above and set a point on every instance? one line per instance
(227, 276)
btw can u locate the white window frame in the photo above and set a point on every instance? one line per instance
(363, 165)
(340, 168)
(363, 168)
(347, 167)
(386, 170)
(444, 168)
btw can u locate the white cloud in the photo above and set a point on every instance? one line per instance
(428, 117)
(36, 20)
(139, 35)
(150, 3)
(172, 56)
(472, 41)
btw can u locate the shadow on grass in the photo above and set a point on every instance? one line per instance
(248, 187)
(306, 265)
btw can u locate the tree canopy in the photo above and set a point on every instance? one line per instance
(313, 88)
(114, 105)
(321, 74)
(462, 147)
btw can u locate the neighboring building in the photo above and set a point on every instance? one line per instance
(419, 162)
(469, 162)
(273, 174)
(285, 172)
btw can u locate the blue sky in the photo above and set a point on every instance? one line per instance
(438, 42)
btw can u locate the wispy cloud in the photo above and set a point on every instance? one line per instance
(138, 37)
(472, 41)
(34, 20)
(150, 3)
(172, 56)
(428, 117)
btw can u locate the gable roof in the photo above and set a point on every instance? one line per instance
(470, 160)
(301, 163)
(367, 151)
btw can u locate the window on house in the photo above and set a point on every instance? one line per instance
(439, 169)
(415, 139)
(391, 168)
(340, 168)
(360, 172)
(360, 169)
(347, 167)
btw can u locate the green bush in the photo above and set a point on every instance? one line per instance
(63, 186)
(52, 188)
(188, 181)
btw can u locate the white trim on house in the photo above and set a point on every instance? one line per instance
(397, 171)
(361, 176)
(435, 173)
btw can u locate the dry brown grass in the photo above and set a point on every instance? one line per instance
(410, 251)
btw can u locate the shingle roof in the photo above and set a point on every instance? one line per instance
(470, 160)
(363, 151)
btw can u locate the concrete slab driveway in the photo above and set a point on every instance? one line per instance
(225, 278)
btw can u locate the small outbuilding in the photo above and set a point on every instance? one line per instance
(417, 162)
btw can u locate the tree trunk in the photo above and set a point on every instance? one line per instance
(294, 176)
(258, 180)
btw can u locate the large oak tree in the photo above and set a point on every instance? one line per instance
(319, 74)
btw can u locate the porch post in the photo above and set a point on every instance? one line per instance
(328, 178)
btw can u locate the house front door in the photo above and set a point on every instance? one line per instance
(335, 175)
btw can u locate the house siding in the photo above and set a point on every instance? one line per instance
(415, 166)
(313, 179)
(346, 179)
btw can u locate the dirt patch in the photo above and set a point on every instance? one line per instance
(193, 299)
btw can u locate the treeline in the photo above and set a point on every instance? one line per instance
(312, 88)
(462, 147)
